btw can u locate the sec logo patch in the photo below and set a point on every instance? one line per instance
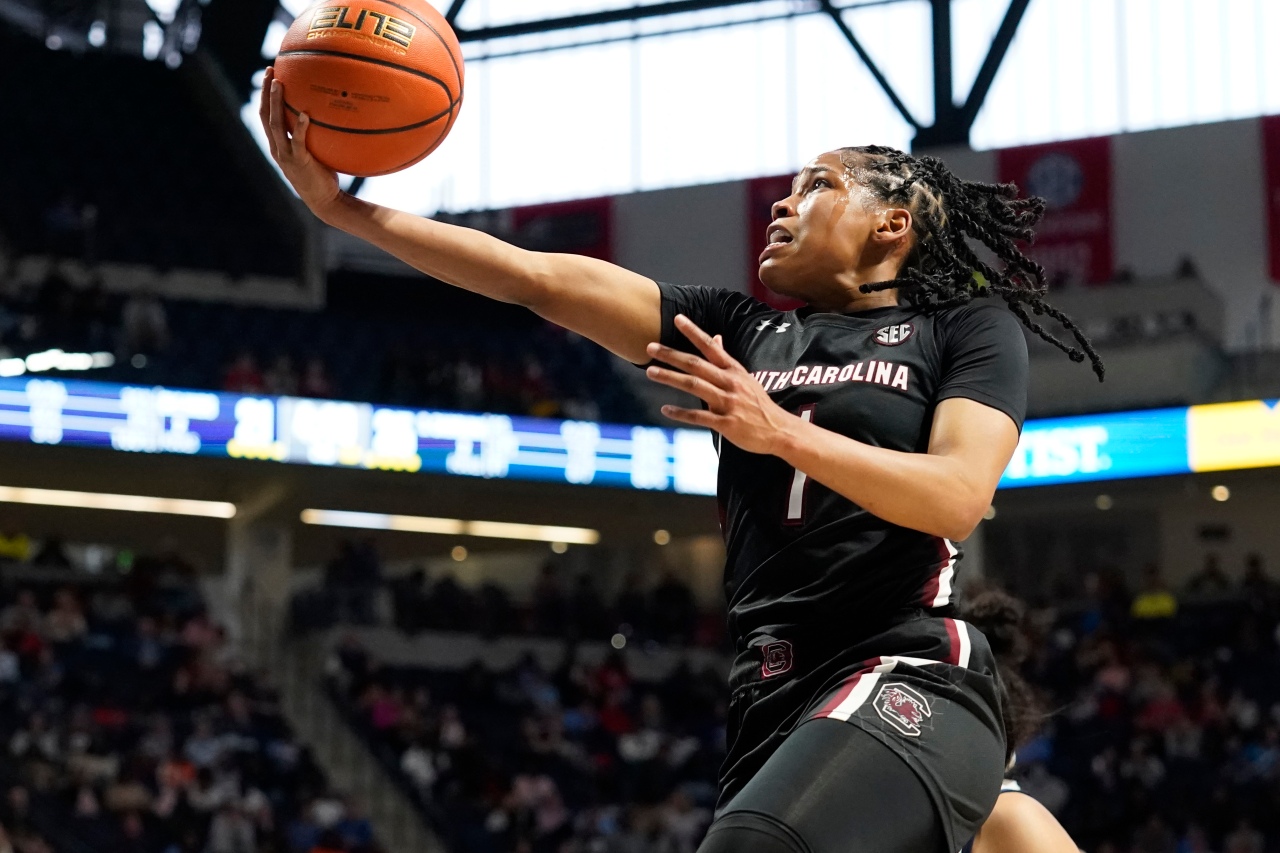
(903, 708)
(891, 336)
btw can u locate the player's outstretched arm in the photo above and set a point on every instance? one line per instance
(616, 308)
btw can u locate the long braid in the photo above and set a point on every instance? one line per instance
(946, 212)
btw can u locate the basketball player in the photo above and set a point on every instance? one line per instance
(1018, 823)
(858, 437)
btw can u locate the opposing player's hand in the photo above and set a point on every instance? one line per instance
(315, 184)
(737, 406)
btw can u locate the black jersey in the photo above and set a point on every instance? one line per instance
(801, 559)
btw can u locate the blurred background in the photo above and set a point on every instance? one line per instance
(302, 552)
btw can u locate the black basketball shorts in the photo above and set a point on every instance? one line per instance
(896, 753)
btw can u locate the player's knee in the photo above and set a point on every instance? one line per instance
(751, 832)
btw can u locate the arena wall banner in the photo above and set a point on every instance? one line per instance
(333, 433)
(1074, 177)
(761, 195)
(1271, 188)
(580, 227)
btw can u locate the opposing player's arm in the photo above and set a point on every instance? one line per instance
(944, 491)
(1019, 824)
(616, 308)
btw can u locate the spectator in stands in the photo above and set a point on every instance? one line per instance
(52, 553)
(398, 377)
(1209, 581)
(315, 381)
(1256, 584)
(144, 324)
(15, 545)
(281, 379)
(587, 612)
(353, 578)
(1155, 601)
(242, 375)
(550, 606)
(632, 606)
(672, 611)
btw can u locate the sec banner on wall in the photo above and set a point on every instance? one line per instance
(1074, 178)
(1271, 157)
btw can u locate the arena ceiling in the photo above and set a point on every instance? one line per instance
(500, 24)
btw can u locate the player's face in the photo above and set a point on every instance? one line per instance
(820, 234)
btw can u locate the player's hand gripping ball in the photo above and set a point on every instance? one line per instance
(380, 82)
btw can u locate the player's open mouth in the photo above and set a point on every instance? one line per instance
(778, 238)
(777, 235)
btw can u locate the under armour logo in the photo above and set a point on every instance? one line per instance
(764, 324)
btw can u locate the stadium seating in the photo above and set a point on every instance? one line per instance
(1161, 732)
(125, 167)
(435, 350)
(130, 725)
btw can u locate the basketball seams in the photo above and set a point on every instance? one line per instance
(374, 131)
(447, 49)
(311, 51)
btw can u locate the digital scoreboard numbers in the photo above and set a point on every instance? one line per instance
(340, 434)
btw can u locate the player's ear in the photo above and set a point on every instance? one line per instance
(894, 224)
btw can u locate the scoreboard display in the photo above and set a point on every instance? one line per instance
(334, 433)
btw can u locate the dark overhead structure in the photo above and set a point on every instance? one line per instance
(951, 121)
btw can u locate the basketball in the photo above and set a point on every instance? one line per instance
(381, 81)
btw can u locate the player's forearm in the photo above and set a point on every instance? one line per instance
(618, 309)
(924, 492)
(459, 256)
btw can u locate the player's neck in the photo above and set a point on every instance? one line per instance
(851, 298)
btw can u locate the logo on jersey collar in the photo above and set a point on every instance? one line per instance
(902, 708)
(891, 336)
(764, 324)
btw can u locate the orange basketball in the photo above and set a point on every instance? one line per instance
(381, 81)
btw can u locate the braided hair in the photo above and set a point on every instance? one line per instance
(946, 211)
(1001, 617)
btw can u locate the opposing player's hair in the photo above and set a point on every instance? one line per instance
(946, 212)
(1000, 617)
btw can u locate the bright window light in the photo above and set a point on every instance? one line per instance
(127, 503)
(451, 526)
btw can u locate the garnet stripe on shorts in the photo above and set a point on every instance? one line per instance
(937, 592)
(961, 646)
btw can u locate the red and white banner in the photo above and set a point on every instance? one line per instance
(1271, 186)
(581, 227)
(1074, 240)
(762, 194)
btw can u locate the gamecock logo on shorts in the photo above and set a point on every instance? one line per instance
(903, 708)
(777, 659)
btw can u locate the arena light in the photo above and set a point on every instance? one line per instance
(451, 526)
(55, 359)
(126, 503)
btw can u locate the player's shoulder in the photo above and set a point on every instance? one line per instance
(980, 317)
(724, 297)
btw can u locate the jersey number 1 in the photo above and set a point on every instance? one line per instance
(795, 495)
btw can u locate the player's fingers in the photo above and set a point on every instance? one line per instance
(714, 352)
(278, 136)
(264, 112)
(693, 417)
(300, 135)
(687, 362)
(698, 387)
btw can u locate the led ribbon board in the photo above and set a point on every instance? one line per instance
(363, 436)
(354, 435)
